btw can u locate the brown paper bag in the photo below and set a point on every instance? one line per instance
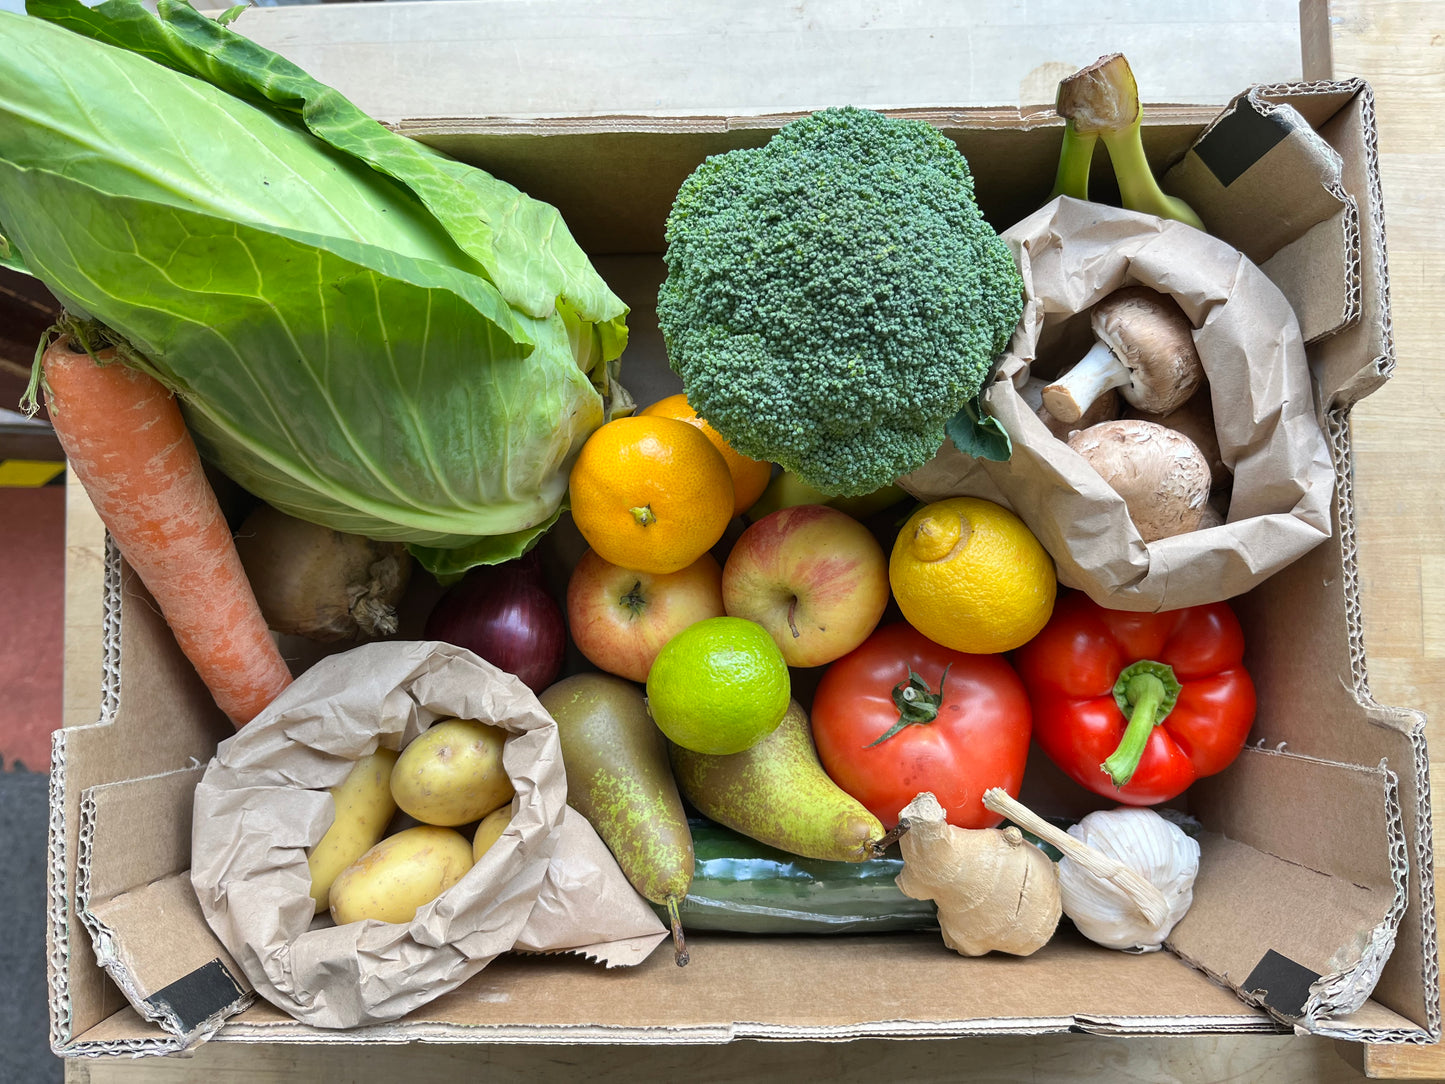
(549, 884)
(1071, 254)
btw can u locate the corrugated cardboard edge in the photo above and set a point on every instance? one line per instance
(58, 889)
(1374, 278)
(765, 121)
(1343, 992)
(1423, 857)
(63, 1041)
(154, 1005)
(1266, 100)
(1383, 364)
(1326, 295)
(704, 1035)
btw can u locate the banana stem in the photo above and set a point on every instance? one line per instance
(1138, 190)
(1075, 157)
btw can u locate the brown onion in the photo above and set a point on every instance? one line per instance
(322, 584)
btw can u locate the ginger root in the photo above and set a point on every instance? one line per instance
(995, 891)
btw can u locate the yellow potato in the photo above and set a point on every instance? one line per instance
(490, 830)
(452, 773)
(364, 806)
(400, 874)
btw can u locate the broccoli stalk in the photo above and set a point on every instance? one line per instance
(1102, 102)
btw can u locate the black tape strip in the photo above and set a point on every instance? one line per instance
(1238, 141)
(1281, 984)
(195, 998)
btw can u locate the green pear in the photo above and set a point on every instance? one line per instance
(778, 793)
(618, 778)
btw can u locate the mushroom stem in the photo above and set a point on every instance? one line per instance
(1140, 891)
(1097, 372)
(1150, 338)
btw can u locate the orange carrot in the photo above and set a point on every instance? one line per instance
(125, 439)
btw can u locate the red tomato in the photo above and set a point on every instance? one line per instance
(957, 745)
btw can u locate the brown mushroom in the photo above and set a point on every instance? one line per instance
(1195, 419)
(1145, 349)
(1104, 408)
(1160, 473)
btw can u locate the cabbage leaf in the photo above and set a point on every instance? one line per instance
(362, 332)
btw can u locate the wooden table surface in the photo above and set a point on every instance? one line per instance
(1399, 444)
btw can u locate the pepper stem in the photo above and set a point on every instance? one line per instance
(1146, 692)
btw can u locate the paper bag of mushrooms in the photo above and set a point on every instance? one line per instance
(1166, 449)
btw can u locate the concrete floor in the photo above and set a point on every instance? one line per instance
(32, 551)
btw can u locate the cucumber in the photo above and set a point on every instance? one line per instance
(743, 886)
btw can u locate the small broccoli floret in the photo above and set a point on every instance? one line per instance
(834, 297)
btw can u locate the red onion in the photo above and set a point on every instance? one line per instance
(504, 614)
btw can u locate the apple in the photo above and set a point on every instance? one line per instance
(813, 576)
(620, 619)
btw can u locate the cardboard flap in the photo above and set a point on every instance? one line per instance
(1266, 182)
(166, 723)
(1328, 253)
(1302, 884)
(1350, 365)
(135, 898)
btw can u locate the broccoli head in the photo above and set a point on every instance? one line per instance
(834, 296)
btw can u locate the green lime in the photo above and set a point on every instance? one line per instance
(719, 686)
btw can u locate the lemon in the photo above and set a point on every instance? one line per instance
(968, 574)
(719, 686)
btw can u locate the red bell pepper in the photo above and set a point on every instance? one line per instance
(1137, 706)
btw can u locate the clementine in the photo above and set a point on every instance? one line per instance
(750, 476)
(650, 494)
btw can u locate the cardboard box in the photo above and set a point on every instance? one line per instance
(1314, 907)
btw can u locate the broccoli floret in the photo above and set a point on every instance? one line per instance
(834, 297)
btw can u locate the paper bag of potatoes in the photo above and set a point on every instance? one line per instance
(1166, 446)
(485, 856)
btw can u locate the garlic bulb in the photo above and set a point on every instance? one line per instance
(1144, 841)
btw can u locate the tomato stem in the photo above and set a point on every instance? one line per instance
(1146, 693)
(917, 704)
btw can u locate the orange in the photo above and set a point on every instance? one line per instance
(968, 574)
(650, 494)
(750, 476)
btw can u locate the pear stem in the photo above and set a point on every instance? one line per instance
(890, 837)
(679, 942)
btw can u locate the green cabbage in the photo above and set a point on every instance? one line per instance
(362, 332)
